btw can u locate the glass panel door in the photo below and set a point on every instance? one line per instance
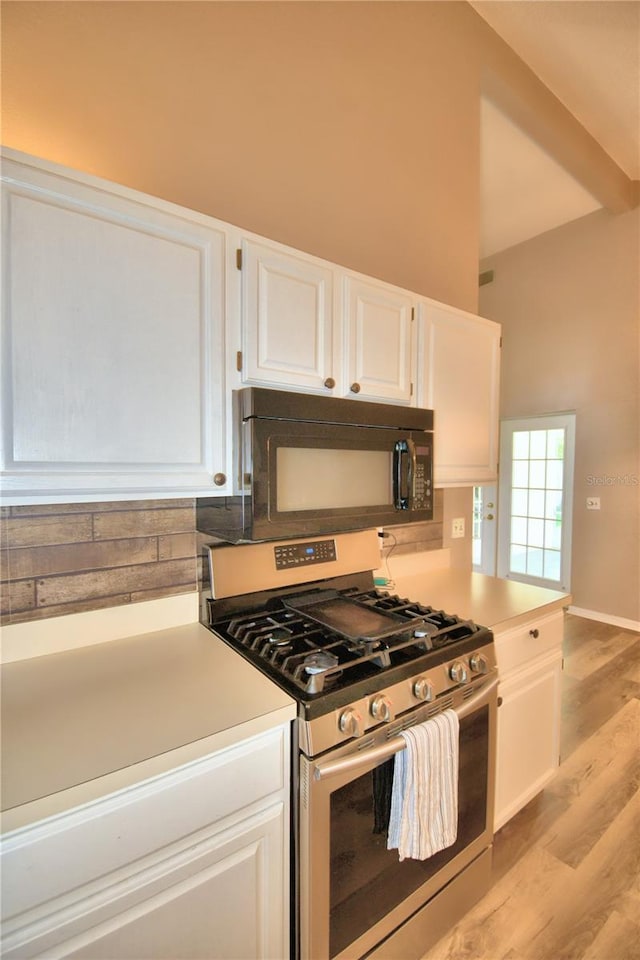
(536, 483)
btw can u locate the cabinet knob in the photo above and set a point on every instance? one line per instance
(535, 633)
(329, 383)
(219, 479)
(355, 388)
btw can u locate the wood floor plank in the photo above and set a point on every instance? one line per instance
(513, 912)
(577, 831)
(619, 939)
(590, 704)
(620, 734)
(591, 896)
(596, 652)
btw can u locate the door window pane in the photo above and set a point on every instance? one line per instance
(538, 445)
(519, 502)
(554, 474)
(521, 445)
(536, 503)
(535, 535)
(521, 473)
(537, 473)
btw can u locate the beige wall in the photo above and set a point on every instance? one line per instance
(569, 303)
(350, 130)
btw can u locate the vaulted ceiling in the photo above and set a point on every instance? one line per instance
(587, 52)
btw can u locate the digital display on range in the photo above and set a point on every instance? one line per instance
(302, 554)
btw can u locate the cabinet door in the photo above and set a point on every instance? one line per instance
(113, 340)
(379, 341)
(287, 318)
(460, 366)
(528, 735)
(217, 901)
(190, 864)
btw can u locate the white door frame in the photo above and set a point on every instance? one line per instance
(485, 524)
(564, 421)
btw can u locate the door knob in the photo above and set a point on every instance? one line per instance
(489, 516)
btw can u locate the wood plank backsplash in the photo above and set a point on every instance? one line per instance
(68, 558)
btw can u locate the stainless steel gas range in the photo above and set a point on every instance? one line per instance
(363, 664)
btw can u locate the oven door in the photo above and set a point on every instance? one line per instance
(353, 891)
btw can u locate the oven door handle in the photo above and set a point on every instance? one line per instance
(385, 751)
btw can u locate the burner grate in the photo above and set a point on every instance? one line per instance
(314, 659)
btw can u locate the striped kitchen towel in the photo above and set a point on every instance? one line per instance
(424, 798)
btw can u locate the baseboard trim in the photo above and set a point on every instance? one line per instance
(622, 622)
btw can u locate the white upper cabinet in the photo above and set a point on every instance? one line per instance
(287, 318)
(126, 324)
(308, 324)
(459, 381)
(113, 345)
(379, 353)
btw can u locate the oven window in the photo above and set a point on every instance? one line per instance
(367, 880)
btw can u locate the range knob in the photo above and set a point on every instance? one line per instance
(351, 722)
(382, 708)
(458, 671)
(423, 689)
(478, 663)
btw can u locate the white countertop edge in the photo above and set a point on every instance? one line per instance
(36, 638)
(26, 814)
(542, 610)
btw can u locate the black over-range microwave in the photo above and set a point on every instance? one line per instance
(316, 465)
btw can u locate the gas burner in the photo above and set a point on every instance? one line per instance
(279, 637)
(319, 662)
(316, 665)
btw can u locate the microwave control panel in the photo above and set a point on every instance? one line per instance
(422, 485)
(302, 554)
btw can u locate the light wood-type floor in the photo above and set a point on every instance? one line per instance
(566, 869)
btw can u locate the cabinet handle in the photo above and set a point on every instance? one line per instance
(329, 383)
(355, 388)
(219, 479)
(534, 633)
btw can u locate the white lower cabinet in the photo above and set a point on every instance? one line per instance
(530, 669)
(191, 864)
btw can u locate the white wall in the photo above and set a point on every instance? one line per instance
(569, 303)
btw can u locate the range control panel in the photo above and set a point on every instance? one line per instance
(302, 554)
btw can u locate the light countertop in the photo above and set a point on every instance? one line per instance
(81, 723)
(488, 601)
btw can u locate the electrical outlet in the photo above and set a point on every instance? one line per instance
(457, 528)
(593, 503)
